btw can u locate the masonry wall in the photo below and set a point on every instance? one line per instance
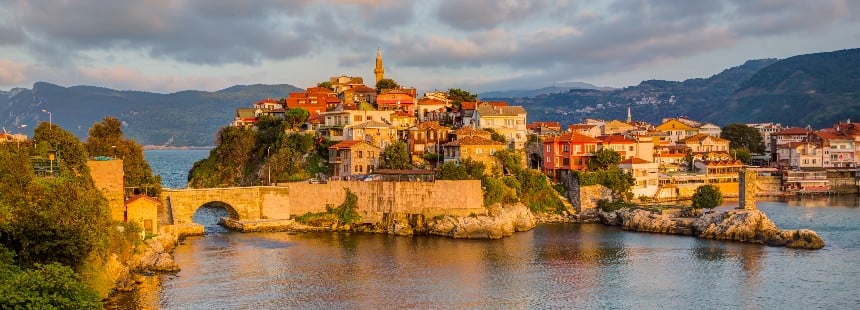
(429, 199)
(108, 177)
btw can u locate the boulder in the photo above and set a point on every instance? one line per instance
(165, 263)
(501, 221)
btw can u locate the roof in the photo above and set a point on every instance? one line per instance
(572, 137)
(246, 112)
(402, 113)
(796, 144)
(349, 144)
(394, 98)
(362, 89)
(673, 124)
(474, 140)
(430, 125)
(634, 161)
(430, 101)
(369, 124)
(792, 131)
(535, 125)
(471, 105)
(404, 171)
(580, 126)
(616, 139)
(830, 135)
(141, 197)
(722, 163)
(469, 131)
(489, 110)
(698, 138)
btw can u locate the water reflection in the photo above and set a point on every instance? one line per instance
(553, 266)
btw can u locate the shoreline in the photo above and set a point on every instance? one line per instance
(175, 148)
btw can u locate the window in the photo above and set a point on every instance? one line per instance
(566, 148)
(548, 159)
(492, 151)
(360, 154)
(577, 148)
(548, 149)
(631, 148)
(565, 161)
(357, 118)
(478, 151)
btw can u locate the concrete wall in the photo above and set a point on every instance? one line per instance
(108, 177)
(375, 198)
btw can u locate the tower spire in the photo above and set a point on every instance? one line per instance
(379, 72)
(629, 116)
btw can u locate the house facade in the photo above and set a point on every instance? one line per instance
(353, 158)
(474, 148)
(645, 173)
(570, 151)
(509, 121)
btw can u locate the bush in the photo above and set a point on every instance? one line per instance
(707, 197)
(347, 212)
(51, 286)
(610, 206)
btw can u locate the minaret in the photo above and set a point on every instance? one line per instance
(379, 71)
(629, 116)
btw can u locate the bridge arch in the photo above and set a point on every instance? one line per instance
(241, 203)
(231, 211)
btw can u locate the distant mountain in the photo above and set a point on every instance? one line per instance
(555, 89)
(185, 118)
(816, 89)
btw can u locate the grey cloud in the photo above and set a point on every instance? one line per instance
(485, 14)
(769, 18)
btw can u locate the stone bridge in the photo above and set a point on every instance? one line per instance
(242, 203)
(428, 199)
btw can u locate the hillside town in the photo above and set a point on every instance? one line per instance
(668, 160)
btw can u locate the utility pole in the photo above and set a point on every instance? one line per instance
(50, 118)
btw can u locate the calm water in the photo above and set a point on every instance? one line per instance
(552, 266)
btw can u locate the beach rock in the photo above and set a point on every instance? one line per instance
(165, 263)
(753, 226)
(642, 220)
(501, 221)
(610, 218)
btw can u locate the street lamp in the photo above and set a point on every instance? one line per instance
(50, 118)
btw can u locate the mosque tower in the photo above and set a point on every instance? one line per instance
(379, 71)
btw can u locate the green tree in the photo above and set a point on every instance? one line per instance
(496, 136)
(604, 159)
(395, 156)
(295, 117)
(325, 84)
(106, 139)
(51, 286)
(707, 197)
(510, 161)
(457, 96)
(386, 84)
(347, 212)
(743, 136)
(742, 154)
(467, 170)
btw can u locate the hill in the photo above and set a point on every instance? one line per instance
(815, 89)
(555, 89)
(185, 118)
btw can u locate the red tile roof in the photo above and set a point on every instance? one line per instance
(144, 197)
(573, 137)
(616, 139)
(634, 161)
(474, 140)
(345, 144)
(792, 131)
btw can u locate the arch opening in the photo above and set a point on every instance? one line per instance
(210, 213)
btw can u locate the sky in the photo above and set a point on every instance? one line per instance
(478, 45)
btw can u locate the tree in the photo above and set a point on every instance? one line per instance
(707, 197)
(386, 84)
(604, 159)
(457, 96)
(496, 136)
(467, 170)
(106, 139)
(743, 136)
(295, 117)
(325, 84)
(742, 154)
(395, 156)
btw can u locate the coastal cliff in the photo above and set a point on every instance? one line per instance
(751, 226)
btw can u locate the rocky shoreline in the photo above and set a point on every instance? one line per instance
(750, 226)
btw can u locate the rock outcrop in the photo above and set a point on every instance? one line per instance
(753, 226)
(739, 225)
(502, 221)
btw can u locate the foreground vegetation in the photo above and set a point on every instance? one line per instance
(56, 232)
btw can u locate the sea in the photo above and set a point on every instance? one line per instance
(554, 266)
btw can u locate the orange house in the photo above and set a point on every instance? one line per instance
(570, 151)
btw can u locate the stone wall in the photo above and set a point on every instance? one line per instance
(108, 177)
(242, 202)
(589, 195)
(443, 197)
(747, 189)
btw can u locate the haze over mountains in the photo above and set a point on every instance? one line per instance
(815, 89)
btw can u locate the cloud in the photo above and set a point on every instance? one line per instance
(486, 14)
(12, 73)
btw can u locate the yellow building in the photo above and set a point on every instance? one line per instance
(376, 133)
(616, 127)
(474, 148)
(676, 131)
(143, 210)
(702, 143)
(509, 121)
